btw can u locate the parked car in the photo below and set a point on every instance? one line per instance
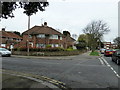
(5, 52)
(116, 57)
(102, 50)
(109, 52)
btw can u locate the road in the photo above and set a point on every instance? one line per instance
(79, 72)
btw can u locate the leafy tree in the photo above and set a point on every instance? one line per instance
(95, 31)
(18, 33)
(82, 37)
(117, 41)
(81, 44)
(82, 41)
(30, 8)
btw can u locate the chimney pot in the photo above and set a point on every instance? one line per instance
(3, 29)
(45, 24)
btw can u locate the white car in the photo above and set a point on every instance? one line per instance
(5, 52)
(102, 50)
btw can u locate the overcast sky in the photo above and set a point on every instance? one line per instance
(70, 15)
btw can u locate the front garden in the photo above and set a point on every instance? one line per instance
(47, 51)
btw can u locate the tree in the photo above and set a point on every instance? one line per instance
(82, 41)
(117, 41)
(18, 33)
(30, 8)
(95, 31)
(82, 37)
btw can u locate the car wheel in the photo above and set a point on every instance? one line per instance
(118, 62)
(0, 55)
(112, 60)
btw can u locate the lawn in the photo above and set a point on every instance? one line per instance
(94, 53)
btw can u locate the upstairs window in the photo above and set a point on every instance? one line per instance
(60, 38)
(30, 36)
(54, 37)
(41, 36)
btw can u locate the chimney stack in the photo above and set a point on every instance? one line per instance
(3, 29)
(45, 24)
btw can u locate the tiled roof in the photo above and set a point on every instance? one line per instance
(42, 30)
(70, 39)
(9, 34)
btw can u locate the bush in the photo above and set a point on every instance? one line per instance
(48, 46)
(70, 49)
(40, 49)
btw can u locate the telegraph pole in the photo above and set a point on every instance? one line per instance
(28, 49)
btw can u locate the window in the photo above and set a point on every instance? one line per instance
(3, 45)
(41, 36)
(61, 46)
(60, 38)
(11, 38)
(54, 37)
(40, 45)
(31, 44)
(54, 45)
(30, 36)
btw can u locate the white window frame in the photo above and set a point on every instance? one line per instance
(30, 36)
(41, 36)
(60, 38)
(54, 45)
(3, 45)
(40, 45)
(53, 37)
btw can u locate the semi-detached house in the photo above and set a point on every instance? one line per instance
(8, 39)
(41, 36)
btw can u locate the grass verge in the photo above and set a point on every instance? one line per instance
(94, 53)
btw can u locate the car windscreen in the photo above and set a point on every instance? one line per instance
(118, 52)
(2, 49)
(109, 50)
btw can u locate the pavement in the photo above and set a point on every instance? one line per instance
(12, 79)
(53, 57)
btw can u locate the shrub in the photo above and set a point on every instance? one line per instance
(70, 49)
(48, 46)
(40, 49)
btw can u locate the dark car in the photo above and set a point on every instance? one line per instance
(109, 52)
(116, 57)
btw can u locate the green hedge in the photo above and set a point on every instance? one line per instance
(40, 49)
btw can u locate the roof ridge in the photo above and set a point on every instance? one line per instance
(39, 29)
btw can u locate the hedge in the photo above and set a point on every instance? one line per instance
(40, 49)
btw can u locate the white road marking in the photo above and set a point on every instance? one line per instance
(110, 67)
(101, 61)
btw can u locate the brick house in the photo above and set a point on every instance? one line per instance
(41, 36)
(9, 39)
(68, 41)
(108, 45)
